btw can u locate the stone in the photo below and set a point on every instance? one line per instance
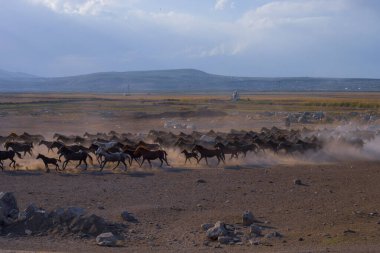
(128, 217)
(206, 226)
(248, 218)
(224, 239)
(217, 230)
(8, 208)
(201, 181)
(255, 230)
(297, 181)
(107, 240)
(274, 234)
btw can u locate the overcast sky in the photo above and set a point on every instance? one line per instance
(324, 38)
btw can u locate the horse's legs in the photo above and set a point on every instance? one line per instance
(125, 165)
(150, 164)
(118, 162)
(161, 162)
(85, 163)
(143, 160)
(166, 160)
(47, 168)
(56, 167)
(80, 162)
(14, 163)
(30, 152)
(206, 160)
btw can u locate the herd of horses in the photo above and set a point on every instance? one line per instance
(126, 148)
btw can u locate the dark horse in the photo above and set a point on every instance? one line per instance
(70, 155)
(151, 155)
(188, 155)
(19, 147)
(4, 155)
(204, 152)
(47, 161)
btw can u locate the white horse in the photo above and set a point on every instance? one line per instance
(118, 157)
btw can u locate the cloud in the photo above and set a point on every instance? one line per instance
(223, 4)
(87, 7)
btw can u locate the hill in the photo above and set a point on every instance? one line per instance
(185, 80)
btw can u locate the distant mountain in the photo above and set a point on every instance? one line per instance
(184, 80)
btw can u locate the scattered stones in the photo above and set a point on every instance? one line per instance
(8, 208)
(217, 230)
(37, 221)
(128, 217)
(248, 218)
(297, 181)
(107, 240)
(255, 230)
(274, 234)
(348, 231)
(206, 226)
(225, 239)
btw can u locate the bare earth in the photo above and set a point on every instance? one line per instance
(335, 210)
(170, 206)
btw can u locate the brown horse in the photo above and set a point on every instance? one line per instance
(151, 155)
(4, 155)
(204, 152)
(19, 147)
(188, 155)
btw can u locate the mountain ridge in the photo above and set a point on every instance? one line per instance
(175, 80)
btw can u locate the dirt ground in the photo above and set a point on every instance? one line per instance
(336, 209)
(171, 206)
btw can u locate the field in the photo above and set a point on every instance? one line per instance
(335, 209)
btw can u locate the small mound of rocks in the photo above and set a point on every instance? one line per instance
(246, 232)
(35, 221)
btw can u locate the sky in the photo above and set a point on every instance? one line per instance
(264, 38)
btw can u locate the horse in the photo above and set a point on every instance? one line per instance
(132, 155)
(57, 145)
(47, 144)
(204, 152)
(108, 145)
(112, 157)
(70, 155)
(47, 161)
(19, 147)
(189, 155)
(151, 155)
(4, 155)
(229, 149)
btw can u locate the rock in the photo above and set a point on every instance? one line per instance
(255, 230)
(224, 239)
(92, 225)
(297, 181)
(274, 234)
(38, 221)
(217, 230)
(201, 181)
(8, 208)
(248, 218)
(254, 242)
(107, 239)
(128, 217)
(206, 226)
(72, 213)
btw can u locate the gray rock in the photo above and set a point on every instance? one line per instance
(255, 230)
(248, 218)
(217, 230)
(128, 217)
(297, 181)
(107, 239)
(72, 213)
(225, 239)
(38, 221)
(206, 226)
(274, 234)
(8, 208)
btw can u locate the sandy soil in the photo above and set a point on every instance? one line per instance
(171, 206)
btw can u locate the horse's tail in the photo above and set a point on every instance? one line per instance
(18, 154)
(165, 154)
